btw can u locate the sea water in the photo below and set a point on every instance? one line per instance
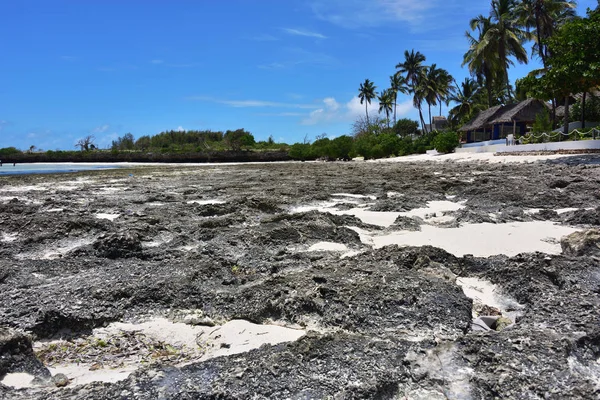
(49, 168)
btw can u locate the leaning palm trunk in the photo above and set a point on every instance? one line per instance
(422, 120)
(583, 110)
(566, 125)
(430, 120)
(395, 101)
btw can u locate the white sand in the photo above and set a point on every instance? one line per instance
(328, 246)
(434, 207)
(9, 237)
(472, 157)
(201, 342)
(110, 217)
(487, 293)
(355, 196)
(482, 240)
(18, 380)
(80, 374)
(206, 202)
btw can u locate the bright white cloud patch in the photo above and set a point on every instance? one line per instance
(360, 13)
(300, 32)
(253, 103)
(332, 111)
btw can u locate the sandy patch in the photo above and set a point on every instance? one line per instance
(110, 217)
(206, 202)
(8, 237)
(433, 209)
(481, 240)
(328, 246)
(486, 293)
(199, 343)
(472, 157)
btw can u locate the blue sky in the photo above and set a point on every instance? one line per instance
(289, 68)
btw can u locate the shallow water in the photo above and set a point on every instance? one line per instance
(50, 168)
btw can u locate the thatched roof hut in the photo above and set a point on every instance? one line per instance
(481, 120)
(525, 111)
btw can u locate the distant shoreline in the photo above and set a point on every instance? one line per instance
(103, 157)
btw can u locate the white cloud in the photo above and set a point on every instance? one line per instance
(300, 32)
(360, 13)
(332, 111)
(180, 129)
(252, 103)
(101, 129)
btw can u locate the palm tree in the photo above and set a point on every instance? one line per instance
(544, 17)
(412, 67)
(366, 93)
(444, 86)
(468, 101)
(428, 84)
(500, 39)
(386, 102)
(481, 57)
(507, 35)
(398, 85)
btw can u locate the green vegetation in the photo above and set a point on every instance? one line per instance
(446, 142)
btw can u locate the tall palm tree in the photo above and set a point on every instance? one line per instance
(481, 58)
(507, 35)
(366, 93)
(429, 86)
(437, 83)
(444, 86)
(412, 67)
(500, 39)
(544, 17)
(386, 103)
(398, 84)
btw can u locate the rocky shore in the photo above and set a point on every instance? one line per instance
(357, 280)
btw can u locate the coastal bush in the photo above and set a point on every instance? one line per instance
(8, 151)
(341, 147)
(446, 142)
(301, 151)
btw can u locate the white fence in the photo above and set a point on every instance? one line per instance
(549, 146)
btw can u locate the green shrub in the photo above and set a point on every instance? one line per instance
(446, 142)
(542, 123)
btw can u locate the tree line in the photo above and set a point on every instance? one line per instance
(566, 44)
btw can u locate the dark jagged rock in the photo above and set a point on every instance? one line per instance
(16, 354)
(387, 323)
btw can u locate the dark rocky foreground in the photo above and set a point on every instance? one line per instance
(385, 324)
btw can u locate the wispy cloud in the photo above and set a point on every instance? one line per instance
(331, 111)
(101, 129)
(301, 32)
(252, 103)
(156, 62)
(68, 58)
(360, 13)
(3, 124)
(282, 114)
